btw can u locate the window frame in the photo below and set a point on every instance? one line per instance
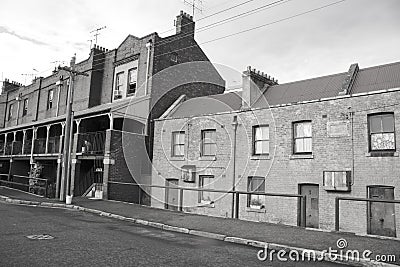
(50, 100)
(173, 144)
(10, 112)
(128, 93)
(117, 86)
(369, 116)
(203, 143)
(307, 137)
(254, 129)
(201, 186)
(25, 107)
(249, 196)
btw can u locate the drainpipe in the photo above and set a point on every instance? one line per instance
(351, 113)
(148, 45)
(38, 99)
(235, 126)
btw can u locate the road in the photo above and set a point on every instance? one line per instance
(81, 239)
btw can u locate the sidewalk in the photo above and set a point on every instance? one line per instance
(285, 236)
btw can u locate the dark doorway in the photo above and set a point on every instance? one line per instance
(381, 216)
(311, 191)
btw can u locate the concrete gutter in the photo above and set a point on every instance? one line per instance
(237, 240)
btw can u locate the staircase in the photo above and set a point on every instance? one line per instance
(95, 191)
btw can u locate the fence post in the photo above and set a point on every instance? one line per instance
(303, 211)
(140, 195)
(337, 213)
(237, 205)
(181, 199)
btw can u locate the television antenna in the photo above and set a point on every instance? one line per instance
(96, 34)
(195, 5)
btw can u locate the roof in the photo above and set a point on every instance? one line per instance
(208, 105)
(371, 79)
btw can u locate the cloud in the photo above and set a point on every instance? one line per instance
(25, 38)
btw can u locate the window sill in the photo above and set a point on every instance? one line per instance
(301, 156)
(175, 158)
(381, 154)
(261, 210)
(207, 158)
(260, 157)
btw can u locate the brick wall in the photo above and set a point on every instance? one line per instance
(282, 170)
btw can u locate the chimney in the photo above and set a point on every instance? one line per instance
(184, 24)
(254, 82)
(10, 85)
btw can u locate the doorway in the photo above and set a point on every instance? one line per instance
(311, 191)
(381, 216)
(171, 195)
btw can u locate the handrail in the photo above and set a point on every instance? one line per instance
(301, 213)
(337, 203)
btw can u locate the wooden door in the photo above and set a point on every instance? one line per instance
(381, 216)
(311, 191)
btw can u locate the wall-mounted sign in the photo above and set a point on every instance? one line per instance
(338, 128)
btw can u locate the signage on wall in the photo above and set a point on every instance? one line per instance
(338, 128)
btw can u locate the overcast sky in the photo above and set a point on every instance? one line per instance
(33, 34)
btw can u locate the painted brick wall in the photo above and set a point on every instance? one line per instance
(283, 171)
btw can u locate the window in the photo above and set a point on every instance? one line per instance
(256, 184)
(118, 86)
(381, 132)
(302, 137)
(208, 143)
(25, 110)
(10, 111)
(261, 140)
(178, 144)
(132, 81)
(337, 180)
(206, 182)
(50, 97)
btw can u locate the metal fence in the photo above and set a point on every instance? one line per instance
(301, 212)
(40, 146)
(38, 186)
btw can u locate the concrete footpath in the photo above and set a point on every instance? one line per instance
(274, 236)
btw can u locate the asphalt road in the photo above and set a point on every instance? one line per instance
(81, 239)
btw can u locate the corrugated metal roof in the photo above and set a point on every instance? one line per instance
(377, 78)
(367, 80)
(209, 105)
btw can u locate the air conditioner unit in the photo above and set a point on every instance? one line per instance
(337, 181)
(189, 173)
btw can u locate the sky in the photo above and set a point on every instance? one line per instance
(295, 40)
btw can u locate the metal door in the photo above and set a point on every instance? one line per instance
(381, 216)
(171, 195)
(311, 191)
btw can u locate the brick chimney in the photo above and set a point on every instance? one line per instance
(9, 85)
(184, 24)
(254, 84)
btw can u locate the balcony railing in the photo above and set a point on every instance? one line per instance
(54, 145)
(17, 148)
(8, 148)
(27, 147)
(91, 143)
(1, 148)
(40, 146)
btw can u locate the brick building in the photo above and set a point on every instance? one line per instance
(126, 88)
(325, 137)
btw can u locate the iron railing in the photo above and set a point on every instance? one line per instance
(17, 148)
(8, 149)
(40, 146)
(368, 200)
(36, 186)
(91, 143)
(1, 148)
(53, 145)
(27, 147)
(301, 213)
